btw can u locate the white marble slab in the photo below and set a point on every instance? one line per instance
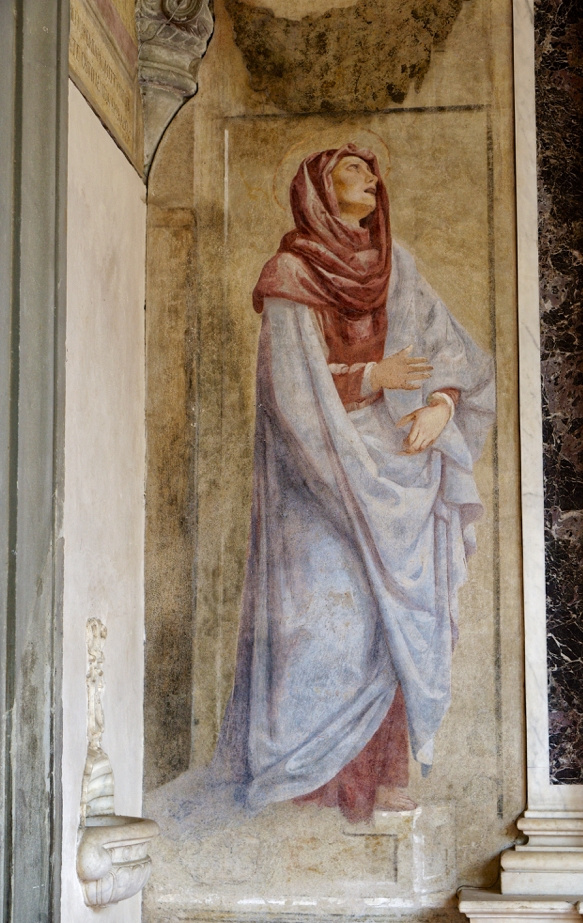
(542, 796)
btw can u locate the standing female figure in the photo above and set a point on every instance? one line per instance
(372, 405)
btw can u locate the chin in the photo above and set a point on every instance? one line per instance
(369, 210)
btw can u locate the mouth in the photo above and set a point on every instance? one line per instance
(371, 190)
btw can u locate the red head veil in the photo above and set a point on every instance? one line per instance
(325, 262)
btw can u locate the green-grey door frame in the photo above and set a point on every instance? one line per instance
(33, 148)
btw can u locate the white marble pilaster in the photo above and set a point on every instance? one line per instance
(545, 801)
(542, 879)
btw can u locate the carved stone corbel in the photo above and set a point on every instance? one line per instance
(173, 37)
(112, 849)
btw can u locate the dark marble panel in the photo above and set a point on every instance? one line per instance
(559, 81)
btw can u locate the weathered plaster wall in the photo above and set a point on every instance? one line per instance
(559, 65)
(170, 502)
(451, 188)
(356, 58)
(104, 474)
(300, 8)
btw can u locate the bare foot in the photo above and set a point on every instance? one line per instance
(393, 799)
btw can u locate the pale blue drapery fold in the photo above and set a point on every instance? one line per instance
(356, 552)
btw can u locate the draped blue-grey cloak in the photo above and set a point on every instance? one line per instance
(357, 551)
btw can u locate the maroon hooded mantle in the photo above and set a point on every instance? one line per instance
(339, 270)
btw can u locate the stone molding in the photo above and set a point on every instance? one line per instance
(552, 860)
(486, 907)
(173, 37)
(557, 831)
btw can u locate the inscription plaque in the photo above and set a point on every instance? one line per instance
(103, 63)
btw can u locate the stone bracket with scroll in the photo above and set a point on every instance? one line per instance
(173, 37)
(112, 853)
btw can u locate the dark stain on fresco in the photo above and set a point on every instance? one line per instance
(559, 76)
(170, 534)
(360, 58)
(169, 544)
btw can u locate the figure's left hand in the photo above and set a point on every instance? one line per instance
(428, 423)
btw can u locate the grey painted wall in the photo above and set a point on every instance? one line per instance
(33, 73)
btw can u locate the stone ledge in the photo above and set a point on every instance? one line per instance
(490, 907)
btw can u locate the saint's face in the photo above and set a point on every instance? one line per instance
(355, 187)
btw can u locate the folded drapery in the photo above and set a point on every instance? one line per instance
(357, 551)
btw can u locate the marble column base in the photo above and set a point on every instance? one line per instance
(552, 861)
(556, 830)
(542, 873)
(487, 907)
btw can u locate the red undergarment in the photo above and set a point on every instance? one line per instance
(383, 761)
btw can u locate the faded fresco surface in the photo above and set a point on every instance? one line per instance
(322, 470)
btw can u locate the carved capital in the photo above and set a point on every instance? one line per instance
(173, 37)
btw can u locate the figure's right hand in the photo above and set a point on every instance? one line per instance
(401, 370)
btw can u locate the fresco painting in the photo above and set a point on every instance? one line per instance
(359, 534)
(355, 678)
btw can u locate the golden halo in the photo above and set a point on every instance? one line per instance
(334, 136)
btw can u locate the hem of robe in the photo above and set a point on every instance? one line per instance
(384, 761)
(285, 780)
